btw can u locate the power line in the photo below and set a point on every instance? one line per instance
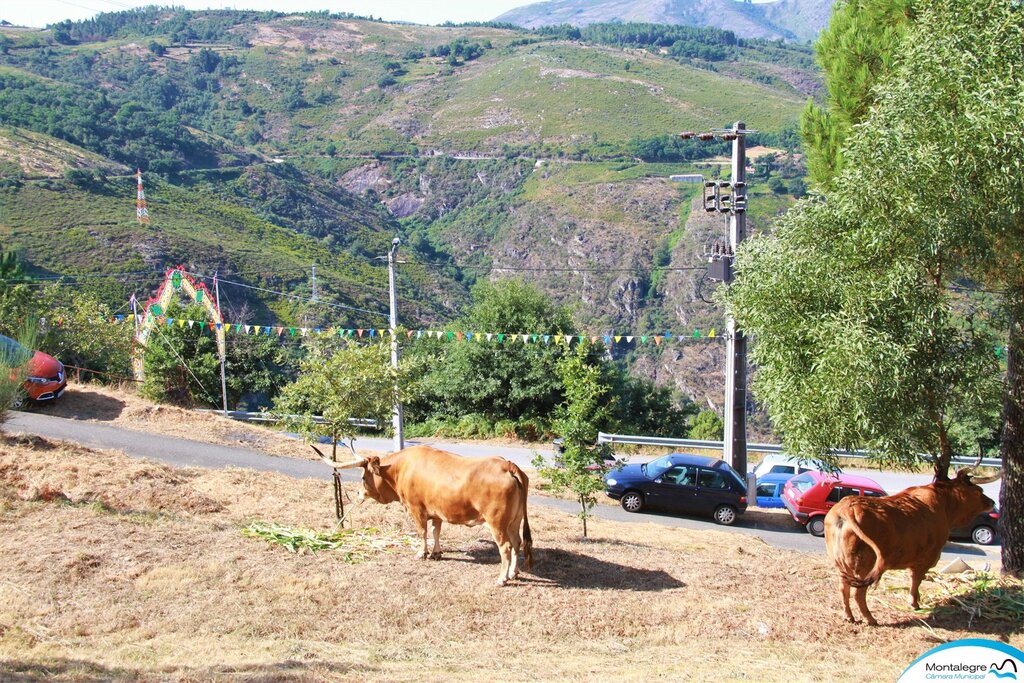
(290, 296)
(435, 264)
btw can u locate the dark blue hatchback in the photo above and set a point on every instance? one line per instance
(680, 483)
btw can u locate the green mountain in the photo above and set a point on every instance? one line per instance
(269, 142)
(799, 20)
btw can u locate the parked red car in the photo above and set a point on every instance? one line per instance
(809, 496)
(45, 379)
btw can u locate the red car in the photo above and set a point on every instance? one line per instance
(45, 379)
(809, 496)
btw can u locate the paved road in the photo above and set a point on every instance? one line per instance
(185, 453)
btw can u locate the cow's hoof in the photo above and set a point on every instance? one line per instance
(421, 555)
(502, 582)
(435, 556)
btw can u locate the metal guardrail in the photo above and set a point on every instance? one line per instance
(276, 417)
(757, 447)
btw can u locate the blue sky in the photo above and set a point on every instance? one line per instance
(43, 12)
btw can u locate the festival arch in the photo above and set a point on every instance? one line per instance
(176, 282)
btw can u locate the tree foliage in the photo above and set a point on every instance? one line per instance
(859, 336)
(341, 379)
(856, 49)
(579, 467)
(512, 380)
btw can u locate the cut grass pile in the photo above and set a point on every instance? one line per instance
(104, 579)
(351, 545)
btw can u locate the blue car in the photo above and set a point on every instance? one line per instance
(769, 490)
(680, 483)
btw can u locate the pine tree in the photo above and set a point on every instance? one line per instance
(855, 51)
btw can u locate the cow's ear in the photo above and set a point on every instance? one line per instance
(373, 464)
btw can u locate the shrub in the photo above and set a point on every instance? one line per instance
(505, 429)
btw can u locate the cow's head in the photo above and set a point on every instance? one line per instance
(376, 482)
(966, 499)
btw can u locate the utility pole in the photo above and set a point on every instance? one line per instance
(314, 296)
(223, 378)
(396, 417)
(735, 448)
(721, 268)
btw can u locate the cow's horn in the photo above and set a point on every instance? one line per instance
(361, 462)
(979, 480)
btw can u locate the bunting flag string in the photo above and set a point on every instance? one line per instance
(155, 312)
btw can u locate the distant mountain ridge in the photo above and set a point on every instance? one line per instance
(794, 20)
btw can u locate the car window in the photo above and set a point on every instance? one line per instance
(805, 469)
(683, 475)
(873, 494)
(712, 480)
(802, 482)
(839, 492)
(766, 490)
(781, 469)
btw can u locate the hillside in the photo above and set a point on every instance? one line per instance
(270, 142)
(799, 20)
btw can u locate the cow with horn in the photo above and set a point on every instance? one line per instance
(436, 486)
(865, 536)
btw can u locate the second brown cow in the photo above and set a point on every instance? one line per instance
(866, 537)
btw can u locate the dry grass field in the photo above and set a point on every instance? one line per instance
(119, 569)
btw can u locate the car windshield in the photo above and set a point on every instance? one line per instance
(656, 468)
(12, 354)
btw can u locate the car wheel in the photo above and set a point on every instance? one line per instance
(725, 514)
(983, 535)
(816, 526)
(19, 401)
(632, 501)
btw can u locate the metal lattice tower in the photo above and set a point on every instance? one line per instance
(141, 212)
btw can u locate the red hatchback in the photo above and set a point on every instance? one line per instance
(809, 496)
(44, 380)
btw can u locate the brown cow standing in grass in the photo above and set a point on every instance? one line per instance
(865, 537)
(438, 486)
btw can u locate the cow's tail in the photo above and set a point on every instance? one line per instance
(524, 485)
(847, 524)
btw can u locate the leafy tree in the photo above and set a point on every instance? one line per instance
(181, 364)
(502, 380)
(79, 332)
(856, 49)
(341, 379)
(865, 343)
(580, 466)
(707, 426)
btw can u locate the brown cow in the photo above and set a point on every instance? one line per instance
(865, 536)
(438, 486)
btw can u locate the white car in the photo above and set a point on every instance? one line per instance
(779, 463)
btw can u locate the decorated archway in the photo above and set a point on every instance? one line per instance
(176, 282)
